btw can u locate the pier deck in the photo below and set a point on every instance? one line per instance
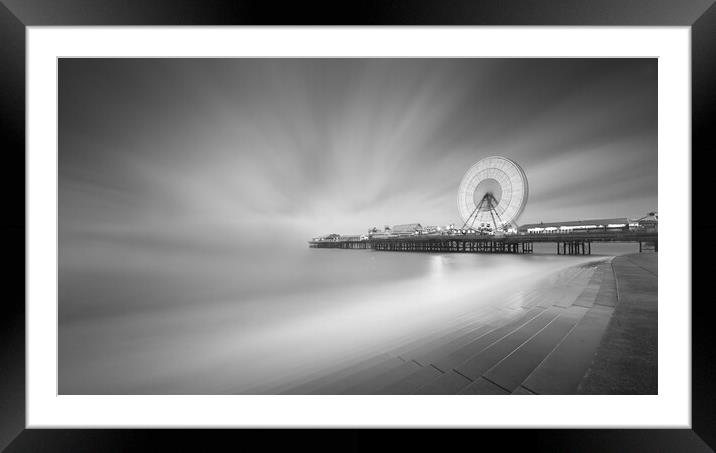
(566, 244)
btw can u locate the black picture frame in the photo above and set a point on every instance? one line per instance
(16, 15)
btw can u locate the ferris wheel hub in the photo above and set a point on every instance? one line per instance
(486, 187)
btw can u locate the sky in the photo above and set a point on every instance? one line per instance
(212, 154)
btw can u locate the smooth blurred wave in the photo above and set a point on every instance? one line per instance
(234, 325)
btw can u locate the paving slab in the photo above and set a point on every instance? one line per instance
(315, 383)
(563, 369)
(513, 369)
(340, 385)
(607, 294)
(588, 296)
(409, 384)
(648, 261)
(571, 293)
(474, 347)
(463, 323)
(490, 356)
(442, 350)
(482, 386)
(522, 391)
(523, 297)
(449, 383)
(565, 290)
(408, 351)
(410, 341)
(371, 385)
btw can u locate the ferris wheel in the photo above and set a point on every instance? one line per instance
(493, 192)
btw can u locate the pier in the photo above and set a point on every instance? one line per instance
(565, 244)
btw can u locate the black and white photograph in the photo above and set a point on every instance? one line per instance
(357, 226)
(229, 218)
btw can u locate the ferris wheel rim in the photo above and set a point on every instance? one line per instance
(513, 177)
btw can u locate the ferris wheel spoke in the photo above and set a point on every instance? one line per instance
(498, 217)
(491, 209)
(474, 212)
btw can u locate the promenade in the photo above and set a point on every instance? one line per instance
(626, 360)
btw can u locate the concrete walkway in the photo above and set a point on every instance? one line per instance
(626, 360)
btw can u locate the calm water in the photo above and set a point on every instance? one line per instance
(223, 324)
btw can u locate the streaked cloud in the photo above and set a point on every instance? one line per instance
(312, 146)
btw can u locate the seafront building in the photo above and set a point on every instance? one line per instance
(408, 229)
(648, 223)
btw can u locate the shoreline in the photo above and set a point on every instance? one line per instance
(575, 333)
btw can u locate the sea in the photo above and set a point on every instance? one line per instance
(254, 322)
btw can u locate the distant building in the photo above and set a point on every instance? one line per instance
(648, 225)
(430, 229)
(407, 229)
(375, 232)
(327, 237)
(620, 223)
(649, 222)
